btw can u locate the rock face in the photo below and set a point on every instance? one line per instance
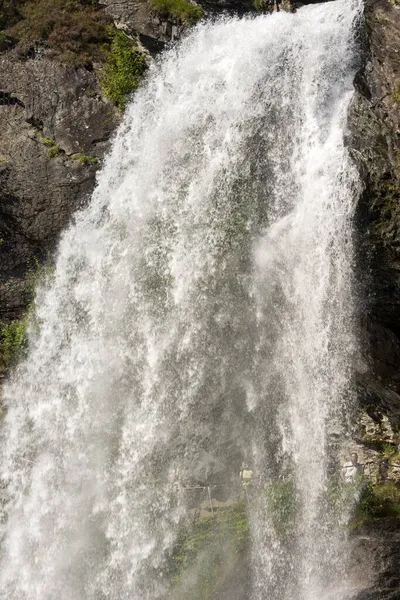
(140, 20)
(375, 146)
(375, 561)
(49, 113)
(374, 142)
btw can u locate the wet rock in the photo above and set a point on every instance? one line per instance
(374, 142)
(59, 113)
(375, 560)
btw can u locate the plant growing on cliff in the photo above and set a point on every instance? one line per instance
(75, 31)
(187, 12)
(85, 159)
(124, 70)
(12, 341)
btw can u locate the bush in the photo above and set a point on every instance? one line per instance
(76, 31)
(207, 550)
(9, 13)
(283, 506)
(377, 501)
(12, 341)
(6, 41)
(124, 70)
(180, 9)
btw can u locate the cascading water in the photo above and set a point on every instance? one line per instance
(199, 315)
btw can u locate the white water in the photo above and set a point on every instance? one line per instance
(200, 314)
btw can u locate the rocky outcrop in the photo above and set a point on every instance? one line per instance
(52, 119)
(375, 146)
(374, 567)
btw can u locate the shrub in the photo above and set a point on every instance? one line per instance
(124, 70)
(283, 506)
(377, 501)
(76, 31)
(180, 9)
(9, 13)
(6, 41)
(12, 341)
(209, 548)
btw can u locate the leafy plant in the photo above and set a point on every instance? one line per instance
(124, 70)
(389, 449)
(187, 12)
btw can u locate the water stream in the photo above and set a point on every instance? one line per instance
(200, 315)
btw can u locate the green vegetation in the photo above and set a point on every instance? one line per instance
(377, 501)
(124, 70)
(54, 151)
(209, 548)
(396, 94)
(9, 13)
(53, 148)
(85, 159)
(46, 141)
(6, 41)
(13, 335)
(389, 449)
(180, 9)
(12, 341)
(283, 506)
(75, 31)
(260, 4)
(387, 208)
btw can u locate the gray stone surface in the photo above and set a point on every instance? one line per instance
(375, 145)
(38, 194)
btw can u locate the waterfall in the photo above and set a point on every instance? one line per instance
(200, 315)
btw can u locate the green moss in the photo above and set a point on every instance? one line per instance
(180, 9)
(206, 552)
(12, 341)
(54, 151)
(124, 70)
(53, 148)
(85, 159)
(46, 141)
